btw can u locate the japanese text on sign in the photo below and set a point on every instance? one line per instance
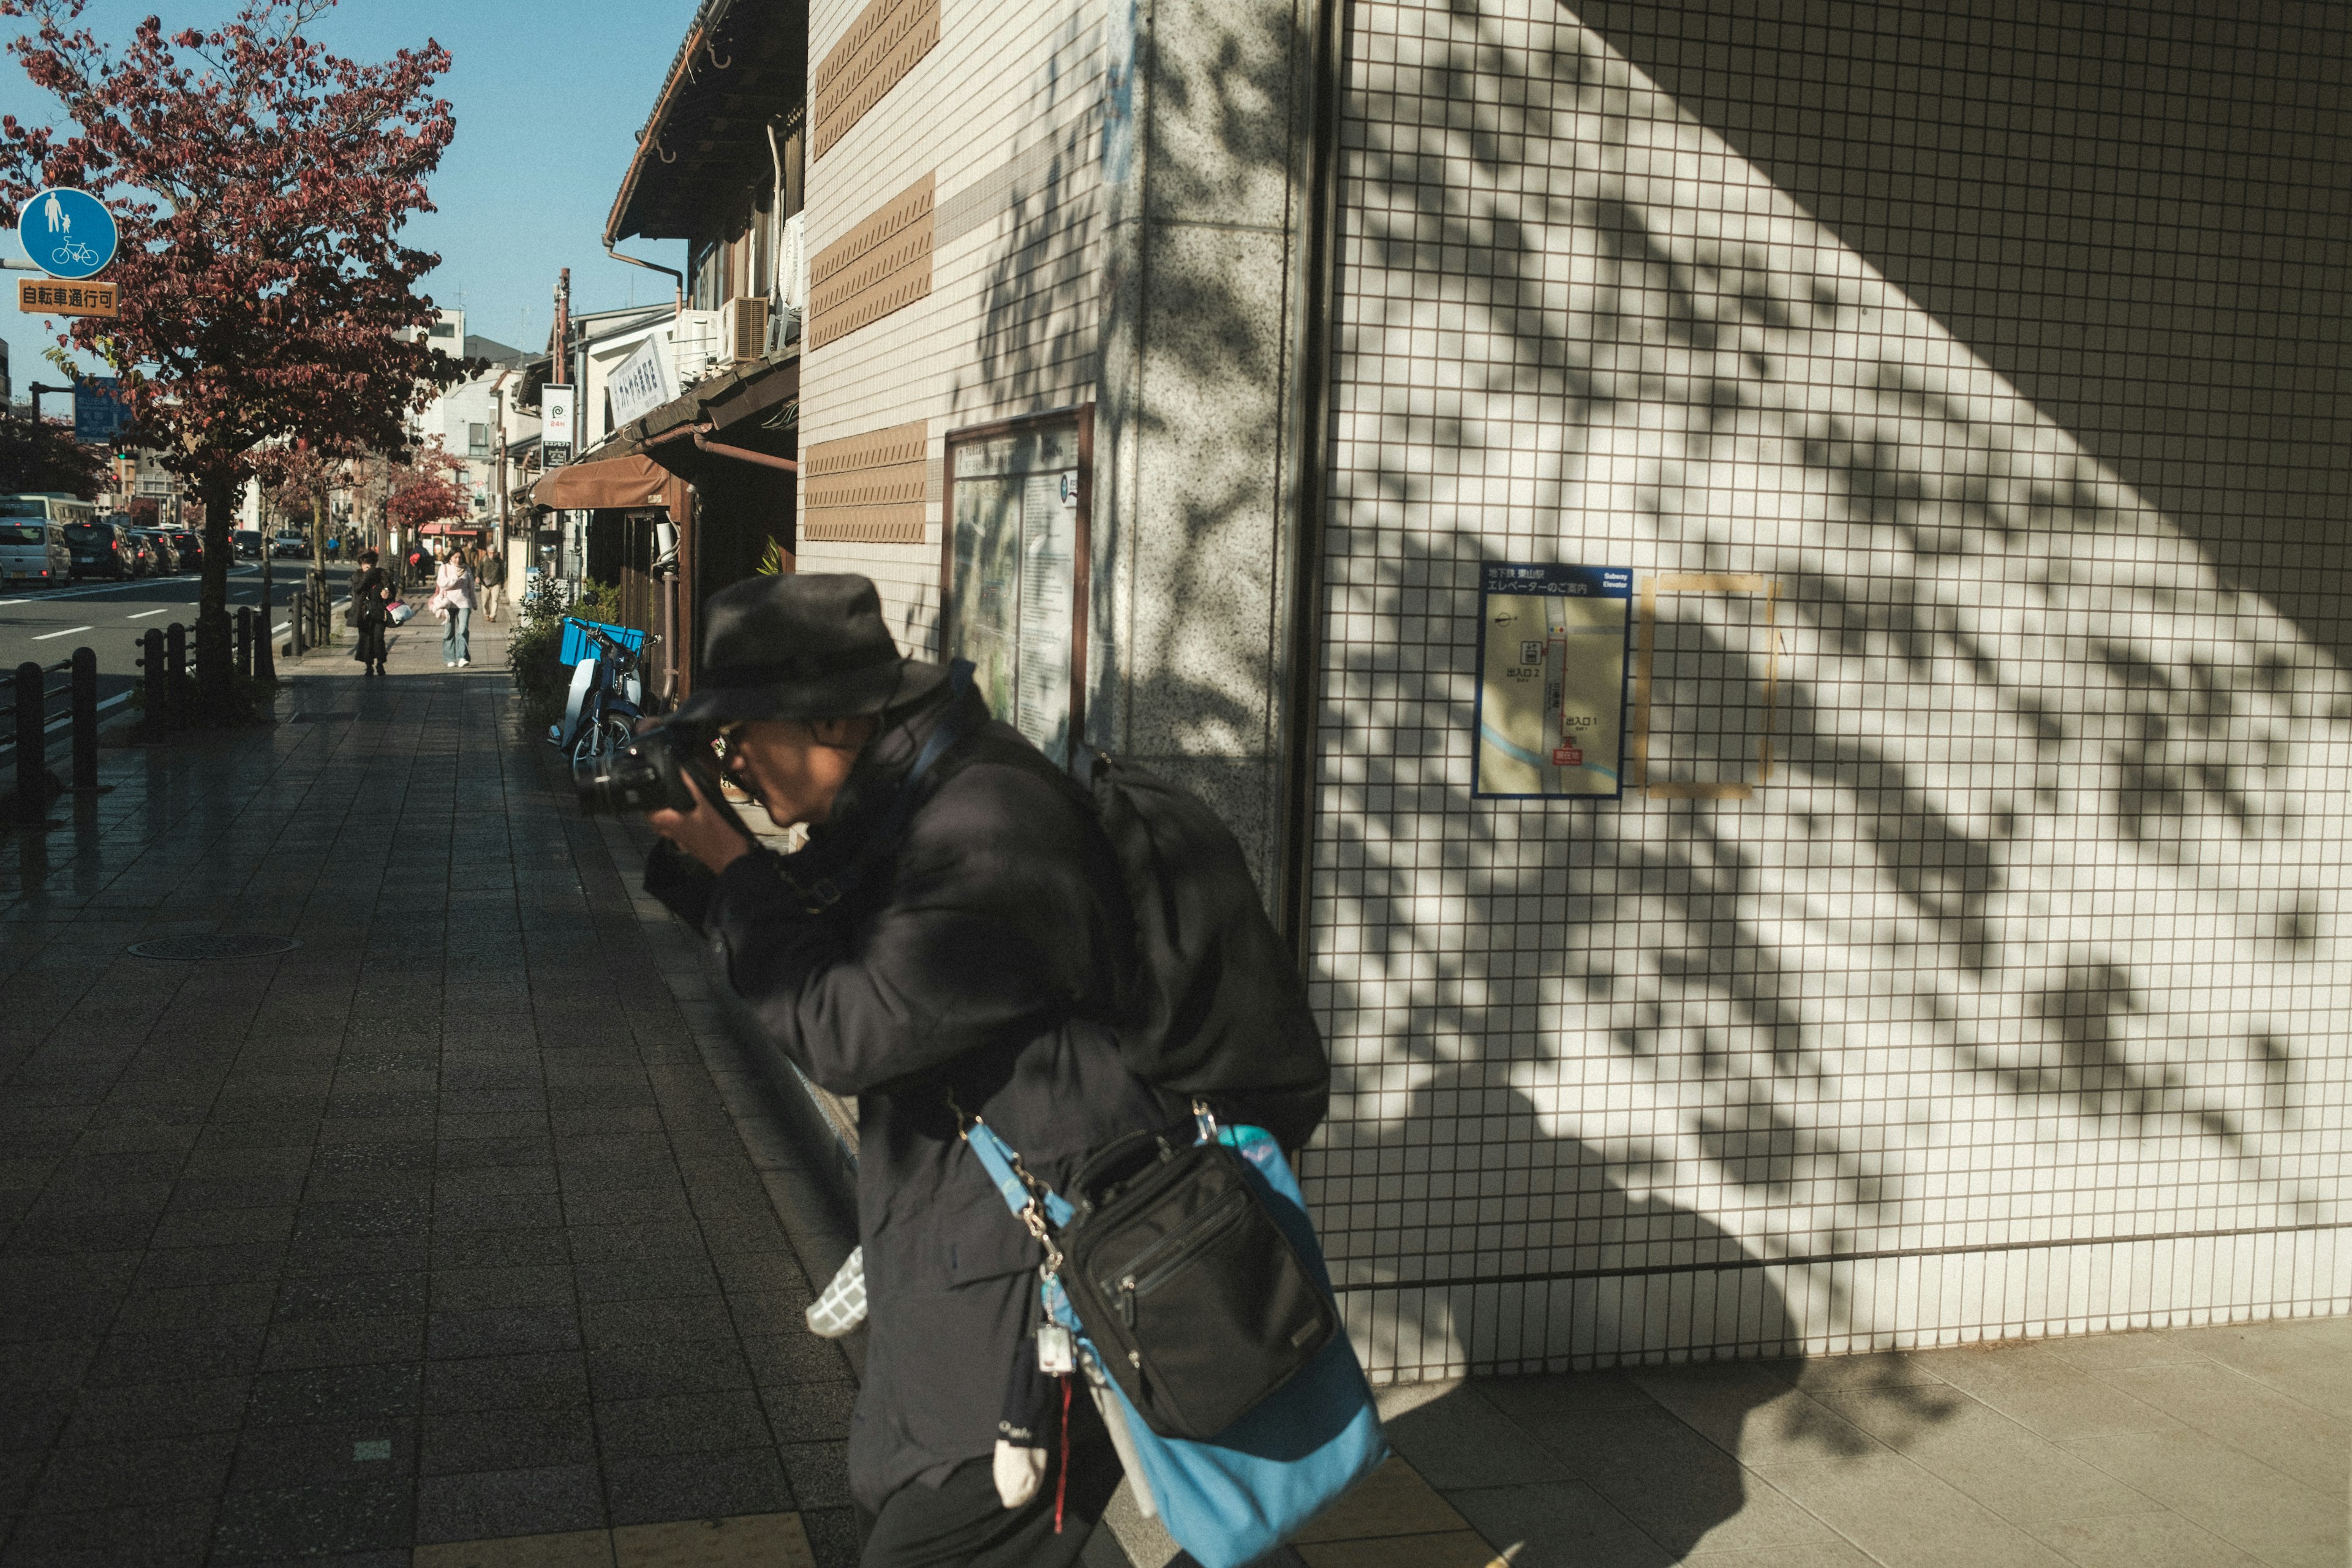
(45, 298)
(1551, 679)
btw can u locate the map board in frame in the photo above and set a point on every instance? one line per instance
(1552, 681)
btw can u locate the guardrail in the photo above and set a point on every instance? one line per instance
(30, 710)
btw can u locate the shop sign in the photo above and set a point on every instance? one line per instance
(644, 381)
(555, 424)
(41, 297)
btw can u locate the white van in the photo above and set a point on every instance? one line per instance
(33, 537)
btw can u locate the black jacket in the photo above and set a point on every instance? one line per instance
(971, 964)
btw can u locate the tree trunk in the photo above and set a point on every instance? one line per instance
(322, 623)
(213, 652)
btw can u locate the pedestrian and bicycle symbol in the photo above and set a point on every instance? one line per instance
(67, 233)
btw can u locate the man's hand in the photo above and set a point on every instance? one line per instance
(701, 833)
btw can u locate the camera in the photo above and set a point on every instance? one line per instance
(649, 774)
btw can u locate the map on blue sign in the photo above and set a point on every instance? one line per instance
(67, 233)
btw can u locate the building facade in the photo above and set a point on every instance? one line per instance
(1901, 903)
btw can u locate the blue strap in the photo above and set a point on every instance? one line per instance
(998, 1156)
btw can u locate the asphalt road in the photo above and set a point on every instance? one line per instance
(46, 625)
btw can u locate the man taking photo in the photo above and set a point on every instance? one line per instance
(947, 945)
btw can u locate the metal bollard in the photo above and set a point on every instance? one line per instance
(150, 661)
(85, 721)
(244, 639)
(32, 742)
(298, 628)
(175, 666)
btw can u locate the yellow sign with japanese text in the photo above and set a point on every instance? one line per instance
(48, 297)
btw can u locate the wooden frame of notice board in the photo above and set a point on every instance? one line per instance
(953, 608)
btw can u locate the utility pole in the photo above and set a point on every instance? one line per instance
(499, 457)
(559, 369)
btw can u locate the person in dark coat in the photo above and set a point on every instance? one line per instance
(370, 592)
(965, 970)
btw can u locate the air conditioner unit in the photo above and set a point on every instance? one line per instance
(743, 327)
(695, 345)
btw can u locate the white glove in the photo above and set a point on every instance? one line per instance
(1019, 1473)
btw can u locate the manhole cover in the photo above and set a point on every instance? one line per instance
(216, 946)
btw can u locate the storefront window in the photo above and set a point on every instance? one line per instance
(1016, 570)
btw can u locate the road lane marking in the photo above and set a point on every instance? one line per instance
(144, 614)
(70, 631)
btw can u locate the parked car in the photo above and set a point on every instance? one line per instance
(99, 549)
(248, 542)
(290, 545)
(191, 546)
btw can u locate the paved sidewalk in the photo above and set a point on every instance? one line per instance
(435, 1230)
(463, 1234)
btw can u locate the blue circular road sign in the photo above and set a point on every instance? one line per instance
(67, 233)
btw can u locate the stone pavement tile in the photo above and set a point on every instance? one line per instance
(2307, 1359)
(1392, 1501)
(648, 1488)
(1674, 1483)
(2239, 1498)
(2252, 1418)
(751, 1540)
(566, 1548)
(137, 1411)
(19, 1469)
(683, 1424)
(538, 1247)
(164, 1535)
(1903, 1517)
(498, 1211)
(319, 1298)
(647, 1369)
(669, 1318)
(544, 1381)
(504, 1330)
(2159, 1540)
(1565, 1393)
(124, 1475)
(1461, 1548)
(335, 1454)
(809, 1412)
(525, 1285)
(496, 1181)
(1547, 1524)
(198, 1350)
(628, 1279)
(2097, 1353)
(312, 1522)
(321, 1395)
(358, 1254)
(32, 1418)
(416, 1154)
(231, 1264)
(2015, 1472)
(794, 1357)
(1747, 1411)
(2042, 1393)
(507, 1439)
(344, 1341)
(819, 1473)
(171, 1309)
(480, 1505)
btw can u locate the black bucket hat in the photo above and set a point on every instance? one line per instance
(801, 646)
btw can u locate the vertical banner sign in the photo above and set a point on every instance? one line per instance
(99, 416)
(1552, 681)
(556, 405)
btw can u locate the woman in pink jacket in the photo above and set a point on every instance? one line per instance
(452, 601)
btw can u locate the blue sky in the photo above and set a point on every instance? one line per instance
(549, 98)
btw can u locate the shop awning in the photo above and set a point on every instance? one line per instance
(606, 482)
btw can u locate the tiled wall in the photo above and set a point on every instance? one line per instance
(1004, 110)
(2012, 354)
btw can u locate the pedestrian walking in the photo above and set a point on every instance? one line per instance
(370, 592)
(452, 601)
(490, 582)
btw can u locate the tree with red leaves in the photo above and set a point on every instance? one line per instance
(427, 491)
(259, 185)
